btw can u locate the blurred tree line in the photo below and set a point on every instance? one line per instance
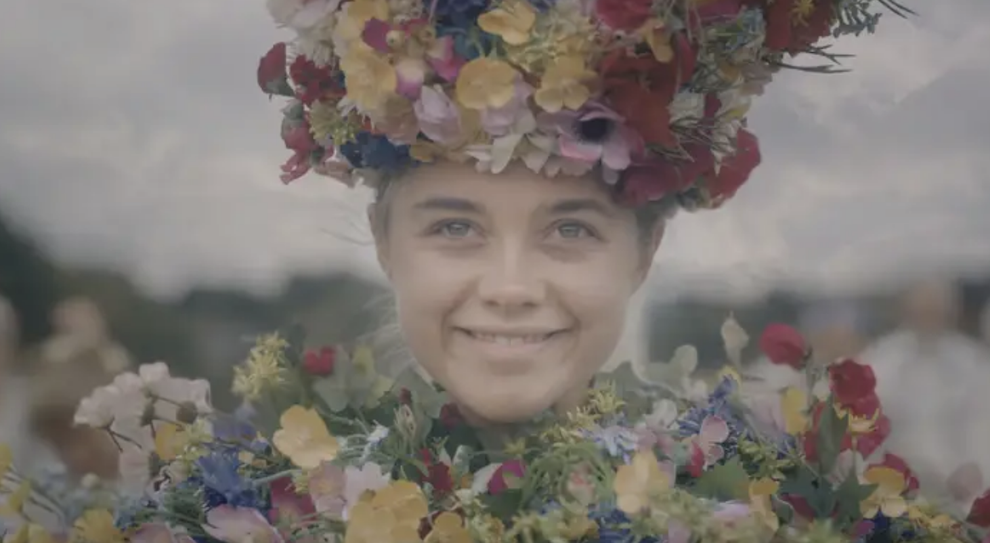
(208, 330)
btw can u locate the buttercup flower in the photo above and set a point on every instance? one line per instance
(448, 528)
(639, 482)
(512, 21)
(371, 78)
(486, 83)
(97, 526)
(794, 406)
(566, 83)
(304, 438)
(352, 19)
(392, 515)
(760, 492)
(888, 497)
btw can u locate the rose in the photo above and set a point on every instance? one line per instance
(623, 14)
(272, 77)
(979, 512)
(784, 345)
(899, 465)
(735, 169)
(506, 476)
(851, 381)
(320, 363)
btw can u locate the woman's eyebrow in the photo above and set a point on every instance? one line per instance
(449, 204)
(574, 205)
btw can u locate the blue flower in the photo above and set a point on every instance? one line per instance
(617, 441)
(719, 405)
(374, 151)
(611, 527)
(220, 477)
(461, 13)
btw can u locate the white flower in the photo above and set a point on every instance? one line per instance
(169, 393)
(686, 106)
(301, 15)
(98, 409)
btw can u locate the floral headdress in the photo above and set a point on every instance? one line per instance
(653, 94)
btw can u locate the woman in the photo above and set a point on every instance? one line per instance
(525, 157)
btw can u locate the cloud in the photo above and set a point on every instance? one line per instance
(134, 135)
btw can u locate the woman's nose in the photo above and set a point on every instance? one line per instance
(512, 280)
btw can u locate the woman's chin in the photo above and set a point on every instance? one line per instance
(493, 408)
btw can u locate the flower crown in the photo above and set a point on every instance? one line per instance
(651, 94)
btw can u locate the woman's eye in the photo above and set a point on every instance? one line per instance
(455, 229)
(571, 230)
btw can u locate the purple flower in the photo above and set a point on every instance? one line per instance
(500, 121)
(438, 116)
(592, 134)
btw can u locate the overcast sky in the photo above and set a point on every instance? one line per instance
(132, 134)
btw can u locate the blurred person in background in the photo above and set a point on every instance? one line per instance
(985, 324)
(66, 367)
(14, 400)
(932, 382)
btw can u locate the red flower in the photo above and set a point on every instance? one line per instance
(450, 416)
(405, 396)
(623, 14)
(271, 71)
(320, 362)
(736, 169)
(865, 407)
(499, 483)
(784, 345)
(979, 512)
(899, 465)
(288, 505)
(313, 82)
(640, 89)
(851, 381)
(437, 474)
(790, 31)
(866, 444)
(651, 179)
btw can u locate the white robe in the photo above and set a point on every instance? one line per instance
(936, 392)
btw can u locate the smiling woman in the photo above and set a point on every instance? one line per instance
(512, 289)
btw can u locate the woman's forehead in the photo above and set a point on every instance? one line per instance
(457, 185)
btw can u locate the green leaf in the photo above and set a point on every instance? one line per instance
(725, 482)
(333, 391)
(850, 494)
(425, 396)
(815, 491)
(831, 433)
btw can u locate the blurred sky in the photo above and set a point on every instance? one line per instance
(133, 135)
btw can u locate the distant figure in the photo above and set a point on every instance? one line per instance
(79, 357)
(932, 382)
(985, 324)
(13, 400)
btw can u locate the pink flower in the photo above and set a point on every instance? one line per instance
(326, 488)
(237, 524)
(706, 446)
(501, 121)
(287, 503)
(298, 139)
(438, 116)
(594, 133)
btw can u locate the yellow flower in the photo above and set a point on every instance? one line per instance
(16, 499)
(565, 84)
(512, 21)
(448, 528)
(170, 441)
(371, 78)
(263, 369)
(96, 526)
(31, 533)
(637, 483)
(6, 459)
(936, 521)
(794, 404)
(657, 36)
(356, 15)
(760, 492)
(486, 83)
(304, 438)
(392, 515)
(888, 497)
(728, 372)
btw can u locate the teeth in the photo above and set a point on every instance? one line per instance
(511, 340)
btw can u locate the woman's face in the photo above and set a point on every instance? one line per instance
(511, 289)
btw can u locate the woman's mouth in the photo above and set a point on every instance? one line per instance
(510, 339)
